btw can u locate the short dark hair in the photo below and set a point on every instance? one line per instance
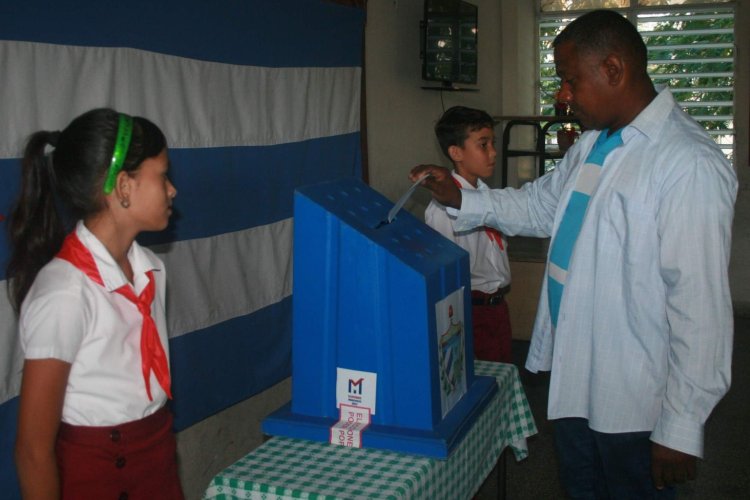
(457, 122)
(607, 31)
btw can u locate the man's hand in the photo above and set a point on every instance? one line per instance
(440, 183)
(670, 466)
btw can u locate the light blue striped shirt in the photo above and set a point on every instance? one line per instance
(643, 340)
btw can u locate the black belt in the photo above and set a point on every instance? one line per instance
(489, 299)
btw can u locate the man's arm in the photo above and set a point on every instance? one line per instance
(695, 224)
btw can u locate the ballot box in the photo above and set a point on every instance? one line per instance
(382, 350)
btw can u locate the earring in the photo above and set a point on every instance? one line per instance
(125, 203)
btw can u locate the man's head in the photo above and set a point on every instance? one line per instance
(467, 137)
(601, 60)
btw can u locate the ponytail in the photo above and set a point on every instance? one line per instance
(36, 228)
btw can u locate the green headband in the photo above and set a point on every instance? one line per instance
(122, 143)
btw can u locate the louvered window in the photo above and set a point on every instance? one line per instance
(690, 49)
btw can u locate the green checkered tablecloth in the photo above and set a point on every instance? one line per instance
(285, 468)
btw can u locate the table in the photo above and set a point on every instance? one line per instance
(286, 468)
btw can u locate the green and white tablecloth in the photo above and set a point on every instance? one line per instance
(285, 468)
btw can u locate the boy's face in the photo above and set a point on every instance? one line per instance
(476, 158)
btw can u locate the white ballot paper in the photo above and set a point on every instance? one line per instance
(400, 203)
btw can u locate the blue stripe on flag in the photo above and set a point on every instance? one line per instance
(10, 178)
(8, 424)
(252, 32)
(221, 190)
(217, 367)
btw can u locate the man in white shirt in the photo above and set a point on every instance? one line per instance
(635, 317)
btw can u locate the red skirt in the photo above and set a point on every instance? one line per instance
(132, 461)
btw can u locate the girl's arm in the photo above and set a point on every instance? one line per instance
(42, 395)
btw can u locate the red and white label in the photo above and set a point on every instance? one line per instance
(353, 420)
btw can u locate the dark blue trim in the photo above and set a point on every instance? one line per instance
(270, 33)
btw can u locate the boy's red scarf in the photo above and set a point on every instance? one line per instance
(492, 233)
(153, 357)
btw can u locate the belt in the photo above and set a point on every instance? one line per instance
(489, 299)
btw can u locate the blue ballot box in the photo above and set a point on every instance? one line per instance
(381, 323)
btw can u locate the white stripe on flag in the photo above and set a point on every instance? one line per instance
(11, 360)
(197, 103)
(211, 280)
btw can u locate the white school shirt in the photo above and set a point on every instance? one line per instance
(487, 262)
(67, 316)
(644, 336)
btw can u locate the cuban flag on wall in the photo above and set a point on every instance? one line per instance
(256, 97)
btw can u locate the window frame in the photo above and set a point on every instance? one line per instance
(631, 12)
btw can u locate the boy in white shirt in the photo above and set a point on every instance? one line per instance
(467, 137)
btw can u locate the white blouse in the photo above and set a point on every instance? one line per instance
(69, 317)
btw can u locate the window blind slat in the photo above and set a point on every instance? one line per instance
(690, 47)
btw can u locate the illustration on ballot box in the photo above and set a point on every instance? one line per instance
(451, 349)
(382, 351)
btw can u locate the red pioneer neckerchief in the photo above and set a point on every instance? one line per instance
(492, 233)
(153, 357)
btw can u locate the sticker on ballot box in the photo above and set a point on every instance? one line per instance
(353, 420)
(356, 388)
(449, 319)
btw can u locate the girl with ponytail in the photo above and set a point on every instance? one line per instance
(92, 417)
